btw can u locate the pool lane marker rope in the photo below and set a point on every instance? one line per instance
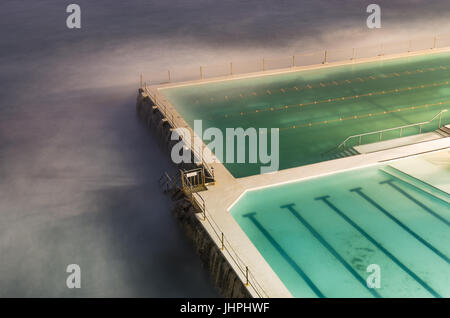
(365, 115)
(319, 237)
(399, 223)
(325, 199)
(337, 99)
(284, 254)
(341, 82)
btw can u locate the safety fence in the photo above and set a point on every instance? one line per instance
(225, 246)
(188, 73)
(176, 121)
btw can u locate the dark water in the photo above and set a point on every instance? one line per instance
(78, 172)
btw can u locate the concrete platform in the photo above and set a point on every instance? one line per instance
(433, 168)
(404, 141)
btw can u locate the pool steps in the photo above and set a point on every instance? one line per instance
(416, 183)
(344, 153)
(444, 131)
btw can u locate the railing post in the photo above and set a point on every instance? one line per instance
(360, 140)
(201, 73)
(231, 68)
(264, 64)
(182, 180)
(420, 129)
(223, 244)
(440, 117)
(293, 60)
(435, 42)
(203, 176)
(204, 211)
(325, 57)
(353, 54)
(401, 130)
(381, 134)
(246, 276)
(168, 73)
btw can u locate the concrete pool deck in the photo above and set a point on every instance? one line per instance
(428, 168)
(227, 190)
(302, 68)
(392, 143)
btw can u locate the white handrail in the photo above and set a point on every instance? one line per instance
(226, 246)
(380, 132)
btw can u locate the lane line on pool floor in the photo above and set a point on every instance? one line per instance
(284, 254)
(355, 274)
(326, 200)
(410, 197)
(399, 223)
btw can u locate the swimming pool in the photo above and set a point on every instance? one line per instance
(317, 109)
(320, 235)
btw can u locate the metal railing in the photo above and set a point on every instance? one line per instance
(225, 246)
(175, 121)
(166, 182)
(380, 132)
(193, 178)
(301, 59)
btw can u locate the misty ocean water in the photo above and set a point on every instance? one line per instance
(78, 172)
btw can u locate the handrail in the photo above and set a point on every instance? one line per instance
(380, 132)
(168, 181)
(226, 246)
(303, 58)
(171, 118)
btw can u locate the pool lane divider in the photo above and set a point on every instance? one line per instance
(284, 254)
(355, 274)
(442, 103)
(337, 99)
(325, 199)
(399, 223)
(410, 197)
(342, 82)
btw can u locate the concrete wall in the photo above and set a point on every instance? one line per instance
(222, 273)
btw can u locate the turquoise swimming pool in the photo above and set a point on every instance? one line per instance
(320, 235)
(315, 110)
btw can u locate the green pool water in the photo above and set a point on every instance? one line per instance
(371, 91)
(320, 235)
